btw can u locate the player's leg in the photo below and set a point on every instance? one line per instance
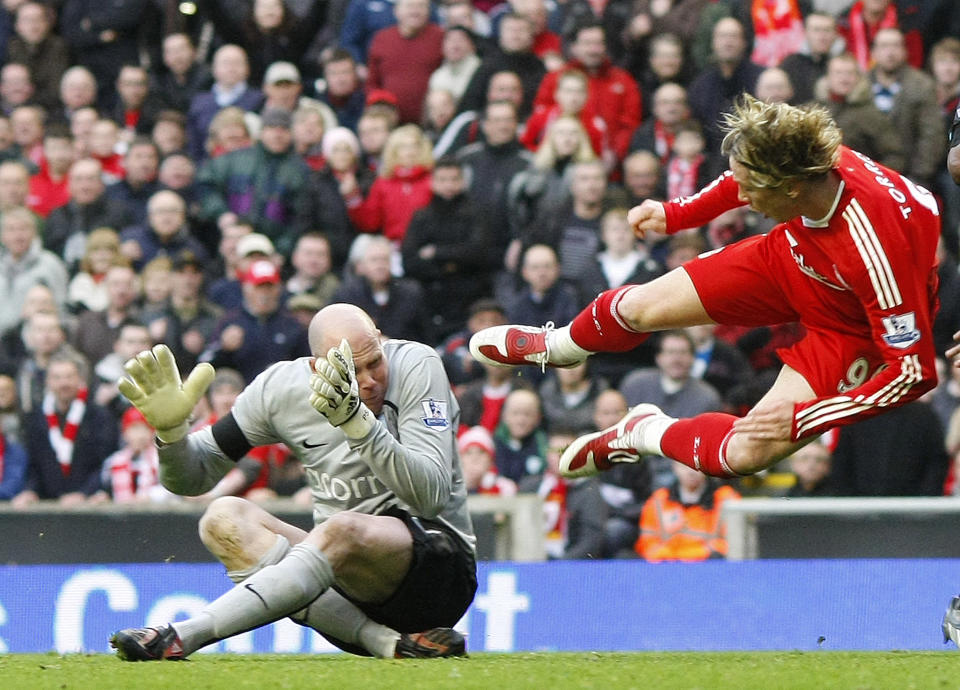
(368, 556)
(242, 536)
(740, 284)
(616, 321)
(247, 539)
(706, 442)
(437, 588)
(709, 443)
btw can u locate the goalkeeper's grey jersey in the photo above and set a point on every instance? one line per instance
(409, 459)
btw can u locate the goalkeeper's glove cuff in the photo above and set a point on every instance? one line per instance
(360, 424)
(168, 436)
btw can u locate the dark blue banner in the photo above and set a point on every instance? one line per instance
(610, 605)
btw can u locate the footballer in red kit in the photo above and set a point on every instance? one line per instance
(852, 259)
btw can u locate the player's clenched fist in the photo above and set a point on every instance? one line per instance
(153, 385)
(647, 217)
(336, 394)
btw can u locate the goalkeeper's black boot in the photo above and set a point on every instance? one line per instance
(431, 644)
(148, 644)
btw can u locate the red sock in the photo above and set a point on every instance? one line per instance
(600, 328)
(701, 442)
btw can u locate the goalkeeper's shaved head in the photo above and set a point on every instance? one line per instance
(781, 144)
(335, 322)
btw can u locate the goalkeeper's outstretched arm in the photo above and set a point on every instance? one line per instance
(194, 464)
(189, 465)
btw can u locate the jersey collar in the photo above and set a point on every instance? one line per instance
(825, 221)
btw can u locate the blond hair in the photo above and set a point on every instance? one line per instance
(226, 117)
(424, 149)
(781, 144)
(546, 156)
(101, 238)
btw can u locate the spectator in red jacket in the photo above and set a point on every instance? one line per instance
(571, 98)
(402, 187)
(865, 18)
(614, 95)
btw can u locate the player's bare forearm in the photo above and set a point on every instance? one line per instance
(770, 420)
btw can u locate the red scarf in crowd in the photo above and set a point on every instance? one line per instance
(553, 491)
(62, 441)
(133, 474)
(682, 176)
(861, 35)
(662, 141)
(778, 30)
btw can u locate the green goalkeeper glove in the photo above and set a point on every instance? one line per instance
(153, 385)
(336, 394)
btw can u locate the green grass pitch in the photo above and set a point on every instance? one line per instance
(541, 671)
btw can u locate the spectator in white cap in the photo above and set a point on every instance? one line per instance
(240, 247)
(341, 149)
(283, 88)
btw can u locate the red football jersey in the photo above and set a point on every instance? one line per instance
(862, 281)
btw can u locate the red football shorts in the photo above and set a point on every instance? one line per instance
(756, 282)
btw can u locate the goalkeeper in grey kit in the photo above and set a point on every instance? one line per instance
(390, 566)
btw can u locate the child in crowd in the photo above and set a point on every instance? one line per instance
(374, 127)
(520, 442)
(86, 290)
(480, 474)
(341, 149)
(228, 132)
(132, 474)
(104, 147)
(574, 513)
(169, 132)
(308, 135)
(687, 167)
(156, 278)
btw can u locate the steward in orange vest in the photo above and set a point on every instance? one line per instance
(682, 522)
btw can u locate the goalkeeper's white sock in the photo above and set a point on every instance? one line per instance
(331, 613)
(335, 615)
(276, 553)
(266, 596)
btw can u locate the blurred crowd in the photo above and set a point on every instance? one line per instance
(209, 175)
